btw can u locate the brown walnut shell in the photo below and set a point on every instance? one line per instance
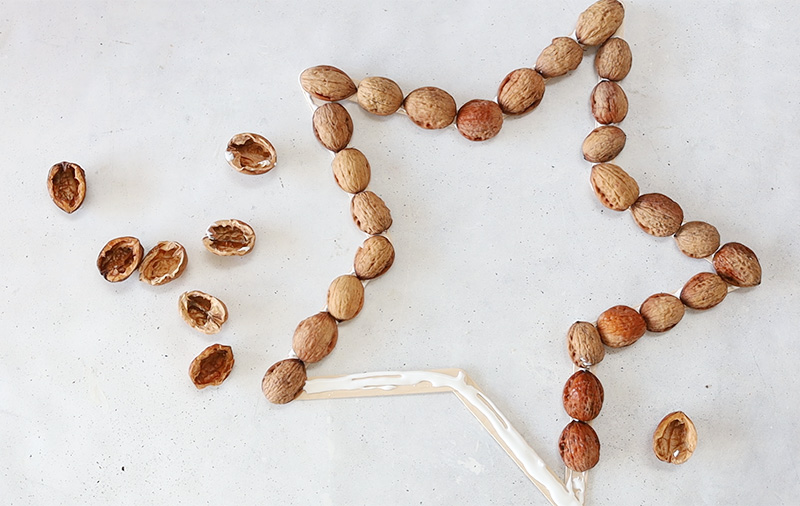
(165, 262)
(327, 83)
(583, 396)
(333, 126)
(370, 213)
(351, 170)
(561, 56)
(229, 238)
(620, 326)
(212, 366)
(430, 107)
(603, 144)
(119, 258)
(202, 311)
(657, 214)
(345, 297)
(315, 337)
(704, 291)
(738, 265)
(579, 446)
(284, 381)
(374, 257)
(379, 95)
(479, 120)
(614, 188)
(697, 239)
(609, 103)
(675, 438)
(613, 59)
(584, 344)
(661, 312)
(520, 91)
(66, 183)
(251, 153)
(599, 22)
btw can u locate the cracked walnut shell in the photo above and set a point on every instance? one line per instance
(165, 262)
(202, 311)
(66, 183)
(675, 438)
(284, 381)
(212, 366)
(251, 154)
(119, 258)
(229, 238)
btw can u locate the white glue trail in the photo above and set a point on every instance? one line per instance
(455, 380)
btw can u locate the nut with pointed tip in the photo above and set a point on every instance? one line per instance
(704, 291)
(657, 214)
(583, 396)
(738, 265)
(613, 186)
(327, 83)
(561, 56)
(370, 213)
(620, 326)
(599, 22)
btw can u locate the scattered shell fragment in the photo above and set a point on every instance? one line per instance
(229, 238)
(66, 183)
(657, 214)
(119, 258)
(212, 366)
(165, 262)
(202, 311)
(675, 438)
(251, 153)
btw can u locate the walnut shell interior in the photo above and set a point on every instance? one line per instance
(675, 438)
(229, 238)
(212, 366)
(119, 258)
(66, 183)
(165, 262)
(202, 311)
(251, 153)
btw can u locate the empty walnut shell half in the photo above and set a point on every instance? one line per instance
(229, 238)
(251, 154)
(119, 258)
(165, 262)
(284, 381)
(66, 183)
(202, 311)
(675, 438)
(212, 366)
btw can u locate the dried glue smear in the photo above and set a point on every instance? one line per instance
(456, 381)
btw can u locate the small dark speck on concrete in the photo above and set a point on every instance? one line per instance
(708, 386)
(123, 468)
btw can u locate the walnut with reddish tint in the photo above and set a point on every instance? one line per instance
(704, 291)
(251, 154)
(583, 396)
(212, 366)
(202, 311)
(479, 120)
(66, 183)
(119, 258)
(738, 265)
(315, 337)
(284, 381)
(620, 326)
(609, 103)
(165, 262)
(229, 238)
(579, 446)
